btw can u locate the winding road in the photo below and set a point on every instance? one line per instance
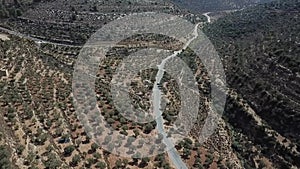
(173, 154)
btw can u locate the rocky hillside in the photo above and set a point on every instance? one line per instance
(260, 50)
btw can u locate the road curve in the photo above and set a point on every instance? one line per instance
(207, 16)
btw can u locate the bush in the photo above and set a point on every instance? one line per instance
(94, 147)
(101, 165)
(68, 150)
(20, 149)
(4, 158)
(75, 160)
(52, 162)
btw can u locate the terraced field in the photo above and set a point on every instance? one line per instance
(73, 22)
